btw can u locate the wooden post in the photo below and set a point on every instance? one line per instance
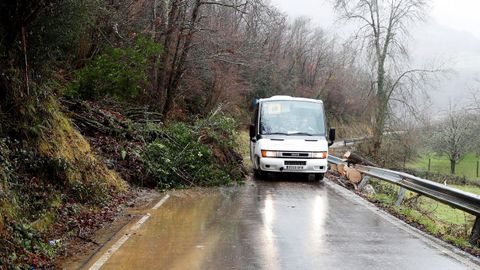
(478, 164)
(475, 235)
(429, 166)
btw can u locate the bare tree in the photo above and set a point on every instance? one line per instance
(183, 23)
(384, 26)
(475, 92)
(453, 136)
(223, 49)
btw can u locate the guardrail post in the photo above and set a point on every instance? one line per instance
(401, 195)
(364, 182)
(475, 236)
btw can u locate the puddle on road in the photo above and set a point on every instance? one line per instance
(187, 226)
(223, 227)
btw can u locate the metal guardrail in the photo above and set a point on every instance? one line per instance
(354, 141)
(348, 142)
(456, 198)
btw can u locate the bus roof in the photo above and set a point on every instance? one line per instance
(288, 98)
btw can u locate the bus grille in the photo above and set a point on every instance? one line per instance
(298, 163)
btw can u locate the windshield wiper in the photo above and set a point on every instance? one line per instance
(277, 133)
(301, 133)
(290, 134)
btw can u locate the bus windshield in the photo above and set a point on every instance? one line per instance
(292, 118)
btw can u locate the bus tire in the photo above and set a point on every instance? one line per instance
(319, 176)
(259, 174)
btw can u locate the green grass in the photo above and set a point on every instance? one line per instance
(467, 167)
(443, 213)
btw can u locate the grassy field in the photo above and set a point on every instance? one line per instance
(467, 167)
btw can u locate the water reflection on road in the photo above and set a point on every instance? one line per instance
(272, 225)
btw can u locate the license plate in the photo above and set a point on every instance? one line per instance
(295, 168)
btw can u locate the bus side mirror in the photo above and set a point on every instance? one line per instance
(331, 136)
(253, 105)
(252, 131)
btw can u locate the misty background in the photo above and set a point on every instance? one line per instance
(450, 35)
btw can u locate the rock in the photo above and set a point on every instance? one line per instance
(131, 204)
(110, 164)
(54, 242)
(368, 189)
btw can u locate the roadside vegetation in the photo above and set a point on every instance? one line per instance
(201, 154)
(442, 221)
(99, 99)
(74, 180)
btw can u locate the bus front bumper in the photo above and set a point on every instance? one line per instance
(294, 165)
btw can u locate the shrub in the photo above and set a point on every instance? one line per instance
(119, 72)
(194, 155)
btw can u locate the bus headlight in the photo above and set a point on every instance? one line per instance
(269, 154)
(319, 155)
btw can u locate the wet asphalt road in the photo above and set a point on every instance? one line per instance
(274, 225)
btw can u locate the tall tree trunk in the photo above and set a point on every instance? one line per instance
(25, 60)
(381, 110)
(164, 63)
(453, 165)
(155, 61)
(179, 69)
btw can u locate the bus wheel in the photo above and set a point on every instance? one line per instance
(319, 176)
(259, 174)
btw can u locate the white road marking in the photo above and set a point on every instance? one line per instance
(162, 201)
(100, 262)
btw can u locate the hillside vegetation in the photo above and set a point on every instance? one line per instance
(100, 98)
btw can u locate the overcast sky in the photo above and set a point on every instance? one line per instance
(451, 33)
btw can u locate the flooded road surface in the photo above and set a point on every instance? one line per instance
(275, 225)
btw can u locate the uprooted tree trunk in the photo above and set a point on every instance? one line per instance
(353, 175)
(355, 158)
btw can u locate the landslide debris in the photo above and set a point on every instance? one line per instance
(85, 161)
